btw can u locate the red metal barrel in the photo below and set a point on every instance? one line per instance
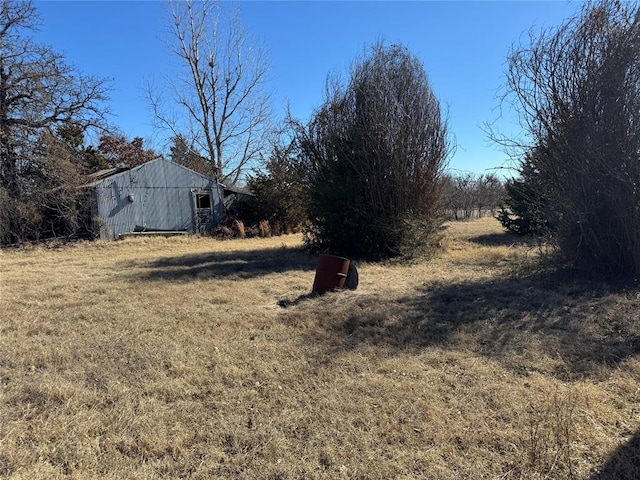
(331, 273)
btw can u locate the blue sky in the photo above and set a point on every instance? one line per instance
(463, 46)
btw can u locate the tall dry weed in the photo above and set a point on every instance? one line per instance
(552, 435)
(265, 229)
(239, 229)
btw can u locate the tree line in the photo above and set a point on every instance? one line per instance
(467, 195)
(367, 175)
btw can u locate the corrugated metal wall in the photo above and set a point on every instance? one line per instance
(158, 195)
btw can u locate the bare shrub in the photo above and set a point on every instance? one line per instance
(375, 152)
(222, 232)
(577, 93)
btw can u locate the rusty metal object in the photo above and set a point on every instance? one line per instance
(331, 273)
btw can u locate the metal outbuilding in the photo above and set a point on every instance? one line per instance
(159, 195)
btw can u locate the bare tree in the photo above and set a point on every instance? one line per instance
(221, 97)
(489, 194)
(39, 92)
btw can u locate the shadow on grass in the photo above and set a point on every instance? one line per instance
(577, 326)
(237, 264)
(286, 303)
(505, 240)
(624, 464)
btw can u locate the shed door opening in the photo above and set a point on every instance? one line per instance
(204, 213)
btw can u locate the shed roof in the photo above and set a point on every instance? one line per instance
(98, 177)
(107, 172)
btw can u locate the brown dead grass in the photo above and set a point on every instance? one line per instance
(196, 358)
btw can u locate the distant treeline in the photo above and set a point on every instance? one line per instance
(468, 195)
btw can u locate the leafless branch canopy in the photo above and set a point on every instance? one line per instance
(220, 94)
(577, 92)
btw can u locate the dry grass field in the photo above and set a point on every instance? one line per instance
(203, 359)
